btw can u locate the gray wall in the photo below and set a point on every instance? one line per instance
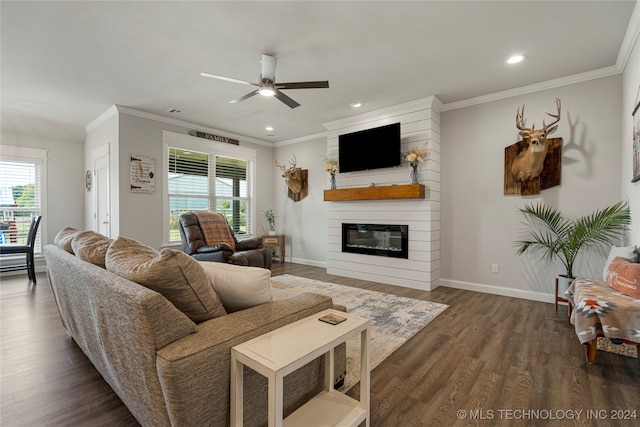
(65, 181)
(479, 223)
(139, 216)
(305, 222)
(630, 98)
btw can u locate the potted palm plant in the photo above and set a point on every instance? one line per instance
(556, 237)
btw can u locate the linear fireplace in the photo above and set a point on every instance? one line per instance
(376, 239)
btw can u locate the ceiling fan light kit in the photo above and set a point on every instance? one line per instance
(268, 85)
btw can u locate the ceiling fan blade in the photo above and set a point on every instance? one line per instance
(269, 67)
(227, 79)
(284, 98)
(303, 85)
(243, 97)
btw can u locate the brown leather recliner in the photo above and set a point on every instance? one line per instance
(207, 236)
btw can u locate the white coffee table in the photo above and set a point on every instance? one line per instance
(282, 351)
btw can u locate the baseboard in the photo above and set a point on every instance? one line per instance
(307, 262)
(498, 290)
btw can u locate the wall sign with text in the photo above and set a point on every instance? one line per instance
(142, 174)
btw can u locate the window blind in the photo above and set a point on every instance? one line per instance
(20, 199)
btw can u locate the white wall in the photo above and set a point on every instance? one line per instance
(304, 223)
(630, 97)
(479, 223)
(65, 182)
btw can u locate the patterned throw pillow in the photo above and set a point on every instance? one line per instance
(624, 276)
(64, 237)
(91, 247)
(172, 273)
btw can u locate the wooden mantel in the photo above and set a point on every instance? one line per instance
(387, 192)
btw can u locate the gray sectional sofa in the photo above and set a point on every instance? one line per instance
(168, 369)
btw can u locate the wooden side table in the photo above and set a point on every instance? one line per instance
(282, 351)
(275, 241)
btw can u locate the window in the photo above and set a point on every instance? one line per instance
(21, 192)
(231, 192)
(204, 175)
(188, 182)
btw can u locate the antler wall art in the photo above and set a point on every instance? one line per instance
(534, 163)
(296, 179)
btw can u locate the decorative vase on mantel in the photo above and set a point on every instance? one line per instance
(414, 177)
(332, 181)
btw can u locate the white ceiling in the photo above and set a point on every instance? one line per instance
(65, 63)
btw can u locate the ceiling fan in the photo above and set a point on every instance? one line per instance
(268, 85)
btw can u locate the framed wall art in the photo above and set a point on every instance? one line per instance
(142, 174)
(636, 139)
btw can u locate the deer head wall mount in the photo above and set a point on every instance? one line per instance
(295, 178)
(527, 162)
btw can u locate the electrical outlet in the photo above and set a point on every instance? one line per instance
(494, 268)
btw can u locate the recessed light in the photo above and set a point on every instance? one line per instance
(514, 59)
(356, 104)
(270, 136)
(269, 128)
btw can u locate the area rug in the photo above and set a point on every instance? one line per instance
(622, 349)
(394, 319)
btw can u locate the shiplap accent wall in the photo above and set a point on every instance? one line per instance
(420, 125)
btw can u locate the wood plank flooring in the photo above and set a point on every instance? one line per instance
(501, 357)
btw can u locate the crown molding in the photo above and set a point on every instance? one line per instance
(630, 38)
(116, 109)
(112, 111)
(536, 87)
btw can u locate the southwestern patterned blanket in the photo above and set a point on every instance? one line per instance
(602, 311)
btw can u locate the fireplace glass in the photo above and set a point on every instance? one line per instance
(376, 239)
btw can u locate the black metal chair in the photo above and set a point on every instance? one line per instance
(27, 250)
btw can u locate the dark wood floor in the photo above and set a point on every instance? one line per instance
(503, 358)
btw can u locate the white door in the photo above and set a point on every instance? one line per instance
(101, 196)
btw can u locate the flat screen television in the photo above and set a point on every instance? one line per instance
(369, 149)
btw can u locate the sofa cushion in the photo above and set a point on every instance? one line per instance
(624, 276)
(64, 237)
(91, 247)
(172, 273)
(626, 252)
(239, 287)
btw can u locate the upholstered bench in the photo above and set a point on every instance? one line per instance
(609, 307)
(601, 311)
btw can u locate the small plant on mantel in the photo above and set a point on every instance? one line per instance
(270, 216)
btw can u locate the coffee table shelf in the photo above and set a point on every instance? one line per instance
(282, 351)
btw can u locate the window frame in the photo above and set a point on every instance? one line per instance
(212, 149)
(39, 158)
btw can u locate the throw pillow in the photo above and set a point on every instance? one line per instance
(624, 276)
(64, 237)
(238, 286)
(627, 252)
(172, 273)
(91, 247)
